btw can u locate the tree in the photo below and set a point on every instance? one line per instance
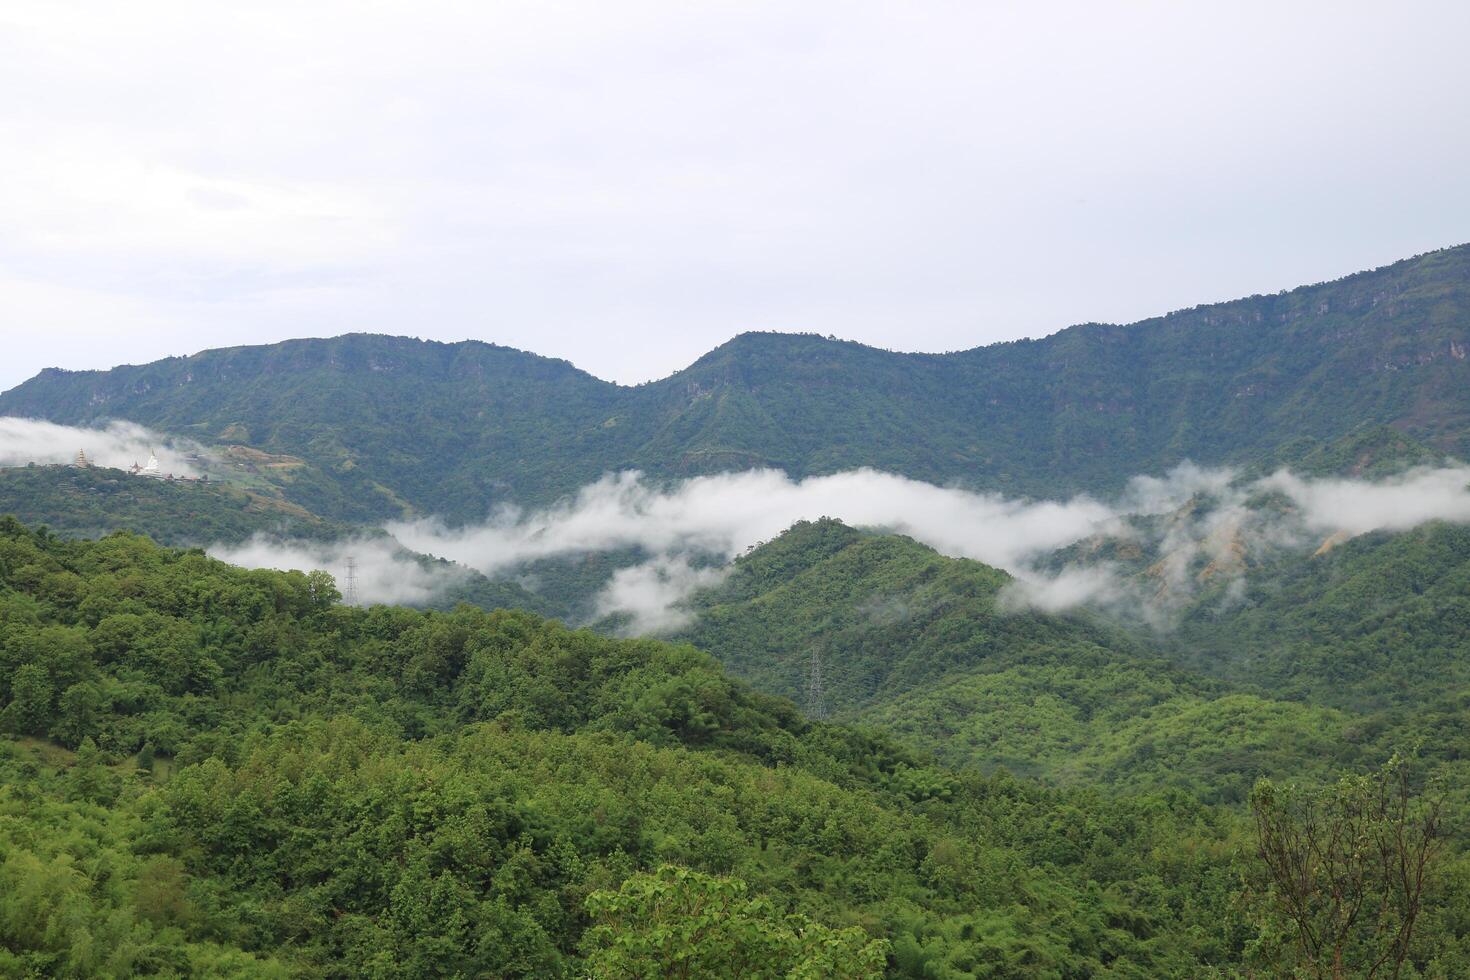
(76, 716)
(323, 590)
(91, 777)
(680, 923)
(1347, 867)
(30, 706)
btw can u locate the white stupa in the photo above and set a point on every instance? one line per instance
(150, 468)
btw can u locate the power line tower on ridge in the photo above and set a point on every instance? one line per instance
(816, 697)
(349, 589)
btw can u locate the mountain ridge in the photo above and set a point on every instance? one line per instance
(473, 341)
(455, 429)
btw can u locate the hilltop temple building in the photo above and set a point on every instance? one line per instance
(151, 468)
(147, 469)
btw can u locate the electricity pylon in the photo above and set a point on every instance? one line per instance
(349, 590)
(816, 698)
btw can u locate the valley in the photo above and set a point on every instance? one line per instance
(956, 665)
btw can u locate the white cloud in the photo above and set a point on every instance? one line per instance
(1192, 515)
(727, 513)
(1097, 585)
(1146, 494)
(1212, 534)
(116, 444)
(384, 573)
(653, 594)
(1398, 503)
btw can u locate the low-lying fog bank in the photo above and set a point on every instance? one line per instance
(1185, 516)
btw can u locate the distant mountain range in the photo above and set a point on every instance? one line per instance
(389, 426)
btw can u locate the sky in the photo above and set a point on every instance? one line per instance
(628, 184)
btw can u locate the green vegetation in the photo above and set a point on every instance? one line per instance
(569, 584)
(1366, 452)
(680, 923)
(83, 503)
(1349, 868)
(86, 503)
(212, 771)
(1287, 685)
(385, 423)
(465, 586)
(886, 613)
(1378, 622)
(225, 772)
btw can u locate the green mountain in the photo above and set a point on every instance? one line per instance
(923, 646)
(1380, 621)
(886, 614)
(1368, 451)
(389, 425)
(224, 772)
(1327, 661)
(96, 501)
(1245, 595)
(395, 423)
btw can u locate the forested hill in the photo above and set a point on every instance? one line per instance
(446, 428)
(222, 772)
(927, 648)
(214, 771)
(1381, 621)
(94, 501)
(886, 613)
(391, 421)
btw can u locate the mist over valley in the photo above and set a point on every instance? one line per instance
(737, 491)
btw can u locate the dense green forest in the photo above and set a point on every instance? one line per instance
(890, 614)
(389, 424)
(97, 500)
(1380, 621)
(920, 645)
(80, 503)
(226, 772)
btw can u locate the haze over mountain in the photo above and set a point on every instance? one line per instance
(389, 426)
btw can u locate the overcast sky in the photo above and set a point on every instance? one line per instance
(627, 184)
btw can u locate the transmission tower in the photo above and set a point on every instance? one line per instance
(349, 590)
(816, 698)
